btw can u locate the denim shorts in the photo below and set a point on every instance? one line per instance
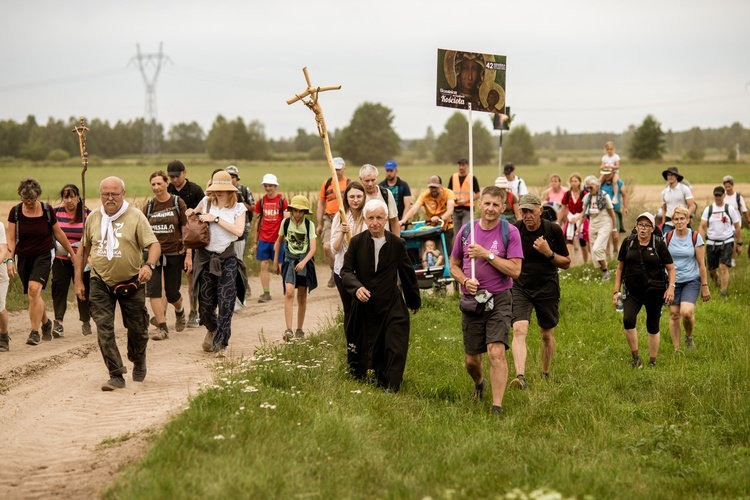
(687, 292)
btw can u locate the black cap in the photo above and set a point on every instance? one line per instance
(719, 191)
(175, 167)
(508, 168)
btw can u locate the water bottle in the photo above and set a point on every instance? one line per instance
(618, 307)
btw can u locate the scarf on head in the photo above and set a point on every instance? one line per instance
(108, 230)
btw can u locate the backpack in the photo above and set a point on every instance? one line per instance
(330, 180)
(281, 205)
(286, 229)
(504, 234)
(725, 211)
(176, 206)
(247, 197)
(656, 238)
(46, 208)
(669, 235)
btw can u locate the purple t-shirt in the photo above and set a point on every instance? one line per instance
(490, 279)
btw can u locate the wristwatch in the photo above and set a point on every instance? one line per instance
(152, 266)
(216, 220)
(551, 257)
(491, 256)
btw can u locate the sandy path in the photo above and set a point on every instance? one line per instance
(56, 418)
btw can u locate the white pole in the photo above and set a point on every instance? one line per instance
(471, 192)
(500, 155)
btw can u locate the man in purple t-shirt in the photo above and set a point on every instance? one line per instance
(496, 264)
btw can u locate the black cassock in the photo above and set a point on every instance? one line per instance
(377, 333)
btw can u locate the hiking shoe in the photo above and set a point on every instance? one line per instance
(154, 321)
(115, 382)
(193, 320)
(85, 328)
(238, 305)
(331, 283)
(180, 321)
(288, 334)
(57, 330)
(497, 410)
(160, 334)
(479, 389)
(4, 342)
(520, 382)
(689, 344)
(298, 333)
(652, 364)
(219, 352)
(208, 341)
(47, 331)
(264, 297)
(139, 371)
(34, 338)
(636, 363)
(606, 276)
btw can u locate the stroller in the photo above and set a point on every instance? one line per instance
(435, 277)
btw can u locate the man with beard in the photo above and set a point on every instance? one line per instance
(538, 286)
(377, 333)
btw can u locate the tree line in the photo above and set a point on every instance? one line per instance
(368, 138)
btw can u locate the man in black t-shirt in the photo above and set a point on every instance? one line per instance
(192, 194)
(538, 286)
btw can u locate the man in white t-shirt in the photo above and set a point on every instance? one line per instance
(368, 176)
(720, 229)
(676, 193)
(516, 185)
(734, 198)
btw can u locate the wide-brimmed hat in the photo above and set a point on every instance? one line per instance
(232, 170)
(646, 215)
(221, 181)
(529, 201)
(269, 179)
(299, 202)
(501, 182)
(672, 170)
(606, 170)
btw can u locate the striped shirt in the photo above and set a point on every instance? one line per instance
(73, 230)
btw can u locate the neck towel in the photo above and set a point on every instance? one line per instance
(108, 230)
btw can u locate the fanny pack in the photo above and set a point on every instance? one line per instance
(123, 289)
(476, 304)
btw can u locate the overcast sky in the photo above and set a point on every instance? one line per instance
(584, 66)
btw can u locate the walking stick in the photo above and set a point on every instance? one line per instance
(312, 103)
(81, 131)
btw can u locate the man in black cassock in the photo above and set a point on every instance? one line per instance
(377, 333)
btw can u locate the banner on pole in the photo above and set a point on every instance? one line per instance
(465, 78)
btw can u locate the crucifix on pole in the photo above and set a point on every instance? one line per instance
(81, 131)
(312, 102)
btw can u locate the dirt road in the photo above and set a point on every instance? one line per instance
(62, 436)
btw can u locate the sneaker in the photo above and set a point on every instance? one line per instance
(238, 305)
(47, 331)
(34, 338)
(193, 320)
(479, 389)
(139, 370)
(265, 297)
(652, 364)
(4, 342)
(219, 353)
(288, 334)
(160, 334)
(520, 382)
(57, 330)
(689, 344)
(154, 321)
(636, 363)
(331, 283)
(606, 276)
(723, 292)
(180, 322)
(85, 328)
(116, 382)
(299, 333)
(208, 341)
(497, 410)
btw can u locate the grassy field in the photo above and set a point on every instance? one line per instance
(290, 423)
(308, 176)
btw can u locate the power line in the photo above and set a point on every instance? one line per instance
(62, 79)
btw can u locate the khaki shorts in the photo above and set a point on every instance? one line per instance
(326, 234)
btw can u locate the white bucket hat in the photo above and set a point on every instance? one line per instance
(269, 179)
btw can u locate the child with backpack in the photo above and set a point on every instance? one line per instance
(270, 212)
(297, 269)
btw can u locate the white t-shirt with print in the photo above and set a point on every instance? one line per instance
(720, 227)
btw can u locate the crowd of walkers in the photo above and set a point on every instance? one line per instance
(506, 261)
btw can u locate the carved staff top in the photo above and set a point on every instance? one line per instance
(81, 131)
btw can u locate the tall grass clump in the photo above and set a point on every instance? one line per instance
(289, 422)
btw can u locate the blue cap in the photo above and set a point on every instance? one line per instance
(391, 165)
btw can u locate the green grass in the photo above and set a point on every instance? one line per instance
(290, 423)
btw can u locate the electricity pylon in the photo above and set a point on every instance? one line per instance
(151, 139)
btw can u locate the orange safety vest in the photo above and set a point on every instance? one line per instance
(462, 190)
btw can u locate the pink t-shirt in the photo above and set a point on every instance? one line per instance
(490, 279)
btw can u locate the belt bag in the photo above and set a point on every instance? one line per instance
(124, 289)
(474, 304)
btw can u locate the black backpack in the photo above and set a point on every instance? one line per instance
(656, 239)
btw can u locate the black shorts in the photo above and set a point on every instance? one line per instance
(547, 310)
(34, 269)
(719, 254)
(490, 326)
(171, 267)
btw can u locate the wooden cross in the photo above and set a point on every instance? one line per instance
(81, 131)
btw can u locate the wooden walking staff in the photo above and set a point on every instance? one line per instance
(81, 131)
(312, 103)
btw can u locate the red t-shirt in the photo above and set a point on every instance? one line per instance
(273, 214)
(33, 233)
